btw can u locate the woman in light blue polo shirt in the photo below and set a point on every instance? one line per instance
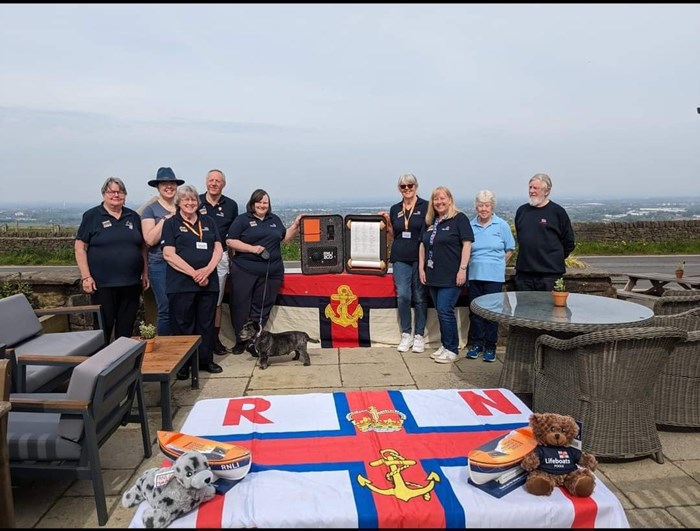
(492, 248)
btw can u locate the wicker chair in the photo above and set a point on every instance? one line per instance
(676, 301)
(677, 392)
(604, 379)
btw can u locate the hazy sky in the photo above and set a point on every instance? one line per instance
(335, 101)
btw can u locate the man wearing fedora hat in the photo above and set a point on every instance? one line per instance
(152, 219)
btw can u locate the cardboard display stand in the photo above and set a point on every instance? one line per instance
(331, 244)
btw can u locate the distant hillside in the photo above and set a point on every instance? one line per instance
(580, 210)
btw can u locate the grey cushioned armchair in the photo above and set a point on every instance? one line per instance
(26, 344)
(58, 435)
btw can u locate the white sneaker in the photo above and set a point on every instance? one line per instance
(435, 355)
(418, 344)
(446, 357)
(406, 343)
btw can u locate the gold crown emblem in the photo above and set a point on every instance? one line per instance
(371, 419)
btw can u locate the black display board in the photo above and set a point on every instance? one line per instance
(322, 249)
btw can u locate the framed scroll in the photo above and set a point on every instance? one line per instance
(366, 244)
(322, 249)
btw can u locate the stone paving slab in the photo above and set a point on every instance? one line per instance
(384, 374)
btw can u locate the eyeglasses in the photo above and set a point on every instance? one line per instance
(114, 192)
(406, 186)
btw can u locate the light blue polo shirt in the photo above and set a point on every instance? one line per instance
(488, 257)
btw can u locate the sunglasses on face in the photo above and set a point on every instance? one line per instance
(406, 186)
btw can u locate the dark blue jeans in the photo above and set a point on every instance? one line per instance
(445, 300)
(156, 275)
(482, 333)
(409, 289)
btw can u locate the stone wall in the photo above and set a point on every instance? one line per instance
(10, 244)
(637, 231)
(585, 232)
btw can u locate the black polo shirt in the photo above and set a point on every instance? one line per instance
(223, 212)
(114, 251)
(405, 249)
(269, 233)
(447, 250)
(193, 248)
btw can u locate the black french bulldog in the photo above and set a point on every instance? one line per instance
(267, 344)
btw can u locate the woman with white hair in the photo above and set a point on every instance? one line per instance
(492, 248)
(192, 248)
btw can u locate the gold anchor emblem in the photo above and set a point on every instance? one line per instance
(345, 297)
(403, 490)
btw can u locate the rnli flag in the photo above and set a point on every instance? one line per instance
(341, 305)
(375, 459)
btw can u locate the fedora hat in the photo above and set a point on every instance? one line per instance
(165, 175)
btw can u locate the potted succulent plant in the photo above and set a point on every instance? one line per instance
(680, 269)
(559, 293)
(148, 333)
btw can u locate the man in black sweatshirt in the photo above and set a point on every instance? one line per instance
(545, 238)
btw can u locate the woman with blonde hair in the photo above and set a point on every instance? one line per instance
(443, 258)
(153, 219)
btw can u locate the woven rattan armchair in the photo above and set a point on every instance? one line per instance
(677, 392)
(676, 301)
(605, 380)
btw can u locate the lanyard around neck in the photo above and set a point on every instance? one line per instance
(407, 216)
(432, 238)
(190, 228)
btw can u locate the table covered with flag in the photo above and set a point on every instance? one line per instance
(372, 459)
(350, 310)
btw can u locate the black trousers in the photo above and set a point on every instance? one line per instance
(530, 282)
(119, 307)
(192, 314)
(251, 297)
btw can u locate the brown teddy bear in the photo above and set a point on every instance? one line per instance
(553, 462)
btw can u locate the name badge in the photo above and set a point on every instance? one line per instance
(406, 234)
(202, 245)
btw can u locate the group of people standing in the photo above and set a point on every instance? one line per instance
(437, 250)
(183, 245)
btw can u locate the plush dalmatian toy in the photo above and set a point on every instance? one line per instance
(172, 492)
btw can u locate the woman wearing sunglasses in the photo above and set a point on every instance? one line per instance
(407, 221)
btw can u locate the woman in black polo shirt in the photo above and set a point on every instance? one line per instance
(111, 255)
(192, 248)
(443, 257)
(257, 269)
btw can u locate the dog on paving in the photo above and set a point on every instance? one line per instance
(267, 344)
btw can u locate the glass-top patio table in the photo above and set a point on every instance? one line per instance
(532, 313)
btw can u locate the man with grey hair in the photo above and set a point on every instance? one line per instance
(223, 210)
(545, 238)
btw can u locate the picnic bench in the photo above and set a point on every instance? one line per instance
(657, 288)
